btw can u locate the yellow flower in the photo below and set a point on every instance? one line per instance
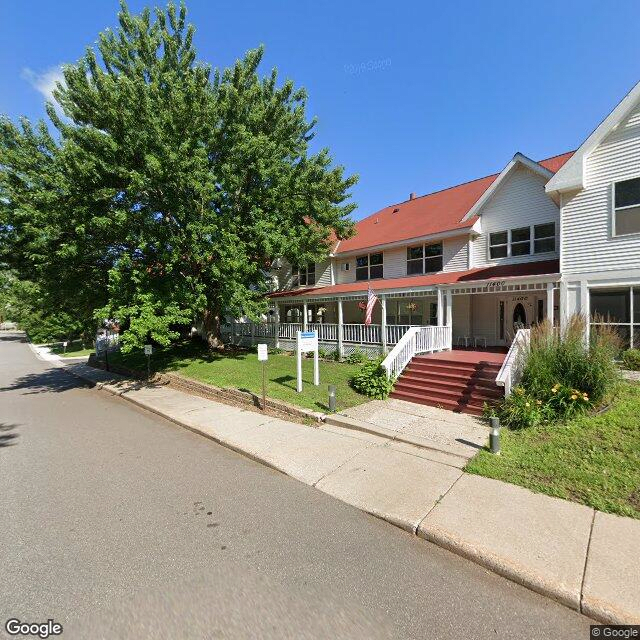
(538, 402)
(574, 397)
(526, 404)
(554, 390)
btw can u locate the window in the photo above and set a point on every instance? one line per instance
(304, 276)
(425, 258)
(626, 219)
(517, 242)
(544, 238)
(521, 241)
(369, 267)
(498, 245)
(619, 309)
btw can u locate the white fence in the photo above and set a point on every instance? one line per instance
(327, 332)
(416, 340)
(511, 371)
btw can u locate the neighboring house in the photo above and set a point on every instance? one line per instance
(540, 240)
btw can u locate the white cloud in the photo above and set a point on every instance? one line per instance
(44, 82)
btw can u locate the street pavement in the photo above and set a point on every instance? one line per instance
(119, 524)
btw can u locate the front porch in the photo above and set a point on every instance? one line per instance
(481, 315)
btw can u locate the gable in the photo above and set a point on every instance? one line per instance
(572, 175)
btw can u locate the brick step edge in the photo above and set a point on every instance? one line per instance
(452, 405)
(419, 378)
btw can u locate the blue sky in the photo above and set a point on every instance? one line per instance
(412, 96)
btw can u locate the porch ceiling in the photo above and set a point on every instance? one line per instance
(428, 283)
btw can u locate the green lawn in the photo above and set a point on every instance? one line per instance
(241, 370)
(593, 459)
(74, 349)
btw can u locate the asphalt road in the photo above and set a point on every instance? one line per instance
(119, 524)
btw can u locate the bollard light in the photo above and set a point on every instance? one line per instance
(332, 397)
(494, 435)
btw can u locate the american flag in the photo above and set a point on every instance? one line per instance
(371, 302)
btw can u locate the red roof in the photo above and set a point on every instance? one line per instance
(500, 272)
(433, 213)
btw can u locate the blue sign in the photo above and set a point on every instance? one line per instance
(308, 334)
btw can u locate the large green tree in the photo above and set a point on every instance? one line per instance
(168, 189)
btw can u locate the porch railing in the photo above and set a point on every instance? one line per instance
(416, 340)
(511, 371)
(327, 332)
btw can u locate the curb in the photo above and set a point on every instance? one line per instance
(519, 575)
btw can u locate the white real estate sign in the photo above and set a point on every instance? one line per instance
(262, 353)
(307, 341)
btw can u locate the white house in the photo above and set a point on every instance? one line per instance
(541, 239)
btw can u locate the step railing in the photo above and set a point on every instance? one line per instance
(511, 371)
(415, 341)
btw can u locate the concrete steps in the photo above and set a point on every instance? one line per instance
(463, 387)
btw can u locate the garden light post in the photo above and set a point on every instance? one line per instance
(332, 398)
(494, 435)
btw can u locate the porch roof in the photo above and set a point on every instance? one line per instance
(499, 272)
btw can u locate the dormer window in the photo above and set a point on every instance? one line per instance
(424, 258)
(626, 212)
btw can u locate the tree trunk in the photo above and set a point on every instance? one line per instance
(212, 332)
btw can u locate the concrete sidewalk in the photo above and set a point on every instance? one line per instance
(585, 559)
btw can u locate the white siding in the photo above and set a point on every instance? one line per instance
(454, 258)
(455, 254)
(520, 202)
(284, 275)
(343, 276)
(395, 263)
(323, 274)
(586, 215)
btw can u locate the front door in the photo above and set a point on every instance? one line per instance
(514, 312)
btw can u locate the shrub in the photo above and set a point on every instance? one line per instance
(520, 410)
(372, 380)
(631, 359)
(356, 356)
(275, 350)
(562, 376)
(563, 357)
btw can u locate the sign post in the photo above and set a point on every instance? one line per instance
(263, 356)
(64, 346)
(307, 341)
(148, 350)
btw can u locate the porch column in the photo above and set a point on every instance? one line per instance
(340, 323)
(276, 336)
(449, 314)
(304, 315)
(383, 323)
(550, 310)
(440, 308)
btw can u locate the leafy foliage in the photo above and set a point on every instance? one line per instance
(563, 376)
(169, 189)
(372, 380)
(631, 359)
(356, 356)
